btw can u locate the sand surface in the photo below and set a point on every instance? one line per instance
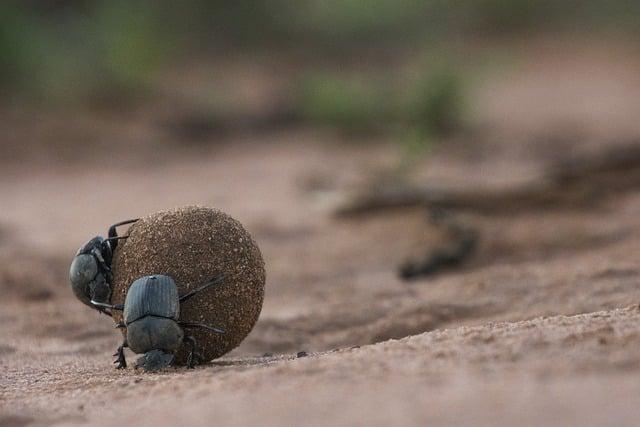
(541, 327)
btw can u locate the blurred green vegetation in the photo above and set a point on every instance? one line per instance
(109, 50)
(354, 106)
(430, 104)
(436, 103)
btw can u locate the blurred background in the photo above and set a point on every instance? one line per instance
(412, 73)
(318, 98)
(290, 115)
(326, 127)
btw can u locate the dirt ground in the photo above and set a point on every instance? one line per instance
(542, 326)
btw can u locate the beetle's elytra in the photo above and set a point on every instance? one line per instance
(152, 296)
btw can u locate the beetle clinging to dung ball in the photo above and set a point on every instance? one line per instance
(90, 272)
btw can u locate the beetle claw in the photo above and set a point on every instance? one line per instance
(121, 360)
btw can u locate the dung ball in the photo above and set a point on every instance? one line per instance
(192, 245)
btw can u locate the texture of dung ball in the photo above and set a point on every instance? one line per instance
(192, 245)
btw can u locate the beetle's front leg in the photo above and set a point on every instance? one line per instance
(193, 358)
(121, 360)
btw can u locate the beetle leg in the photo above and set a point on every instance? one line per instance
(203, 326)
(99, 305)
(193, 358)
(113, 233)
(96, 253)
(112, 230)
(216, 280)
(104, 265)
(121, 360)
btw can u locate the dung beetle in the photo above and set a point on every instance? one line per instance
(90, 272)
(151, 313)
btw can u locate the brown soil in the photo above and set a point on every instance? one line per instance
(541, 327)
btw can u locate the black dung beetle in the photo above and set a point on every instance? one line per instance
(90, 272)
(151, 312)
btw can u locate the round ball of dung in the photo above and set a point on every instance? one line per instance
(192, 245)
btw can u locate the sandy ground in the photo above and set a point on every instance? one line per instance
(541, 327)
